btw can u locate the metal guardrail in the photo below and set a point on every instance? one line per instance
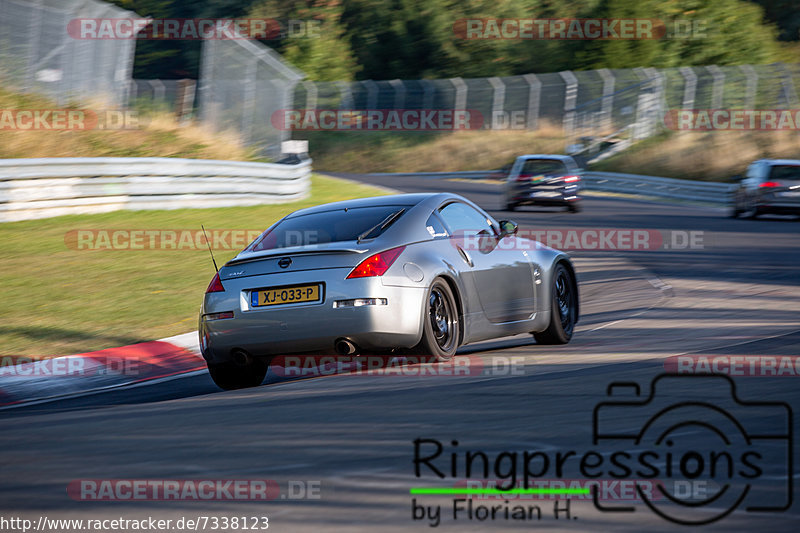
(42, 188)
(653, 186)
(702, 191)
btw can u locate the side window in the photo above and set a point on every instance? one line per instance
(752, 171)
(463, 218)
(435, 227)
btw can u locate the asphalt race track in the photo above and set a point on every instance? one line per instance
(341, 448)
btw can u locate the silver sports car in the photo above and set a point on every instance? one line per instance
(408, 273)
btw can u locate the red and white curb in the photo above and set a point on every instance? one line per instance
(88, 373)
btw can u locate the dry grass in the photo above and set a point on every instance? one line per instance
(420, 152)
(159, 135)
(711, 156)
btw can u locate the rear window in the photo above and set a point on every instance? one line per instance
(543, 166)
(328, 226)
(785, 172)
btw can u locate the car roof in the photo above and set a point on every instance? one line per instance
(409, 200)
(558, 157)
(780, 161)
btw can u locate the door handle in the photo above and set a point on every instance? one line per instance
(465, 256)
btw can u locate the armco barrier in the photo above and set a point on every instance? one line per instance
(41, 188)
(703, 191)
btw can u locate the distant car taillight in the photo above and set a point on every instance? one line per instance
(376, 265)
(770, 184)
(571, 179)
(215, 285)
(524, 177)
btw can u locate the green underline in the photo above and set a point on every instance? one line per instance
(448, 490)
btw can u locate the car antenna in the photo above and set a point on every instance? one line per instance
(209, 249)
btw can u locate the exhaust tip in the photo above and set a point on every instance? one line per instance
(345, 347)
(241, 358)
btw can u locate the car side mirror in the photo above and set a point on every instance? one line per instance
(508, 227)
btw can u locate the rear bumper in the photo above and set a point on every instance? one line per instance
(313, 327)
(532, 199)
(779, 208)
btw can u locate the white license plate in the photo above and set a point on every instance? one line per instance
(546, 194)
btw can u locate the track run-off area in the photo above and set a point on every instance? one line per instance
(341, 448)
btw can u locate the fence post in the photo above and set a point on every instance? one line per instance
(689, 87)
(311, 94)
(347, 95)
(372, 93)
(498, 99)
(399, 93)
(607, 106)
(570, 97)
(427, 94)
(460, 101)
(249, 100)
(718, 89)
(752, 84)
(534, 96)
(788, 86)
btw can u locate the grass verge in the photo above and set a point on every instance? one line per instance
(58, 300)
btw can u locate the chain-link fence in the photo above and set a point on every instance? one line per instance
(600, 106)
(242, 84)
(39, 53)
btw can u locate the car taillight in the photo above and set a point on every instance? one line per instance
(376, 265)
(571, 179)
(524, 177)
(215, 285)
(770, 184)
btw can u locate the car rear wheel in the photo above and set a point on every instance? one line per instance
(511, 206)
(563, 311)
(442, 327)
(230, 376)
(574, 208)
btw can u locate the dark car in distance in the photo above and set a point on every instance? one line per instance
(545, 180)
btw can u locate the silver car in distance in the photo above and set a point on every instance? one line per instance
(408, 273)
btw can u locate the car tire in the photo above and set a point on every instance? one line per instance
(563, 315)
(511, 206)
(574, 208)
(441, 327)
(229, 376)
